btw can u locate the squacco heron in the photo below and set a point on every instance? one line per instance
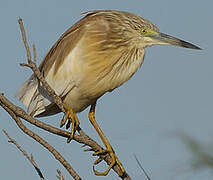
(96, 55)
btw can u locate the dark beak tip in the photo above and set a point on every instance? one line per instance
(196, 47)
(190, 46)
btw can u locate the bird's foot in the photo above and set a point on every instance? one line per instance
(70, 118)
(114, 161)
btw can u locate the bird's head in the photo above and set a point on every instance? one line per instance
(125, 29)
(150, 35)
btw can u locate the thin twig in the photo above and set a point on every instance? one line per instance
(34, 54)
(60, 175)
(31, 160)
(24, 39)
(147, 176)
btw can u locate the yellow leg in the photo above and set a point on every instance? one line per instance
(72, 118)
(108, 150)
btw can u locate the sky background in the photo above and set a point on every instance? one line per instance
(171, 93)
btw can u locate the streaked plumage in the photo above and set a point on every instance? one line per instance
(87, 61)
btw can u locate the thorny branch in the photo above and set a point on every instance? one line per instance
(16, 113)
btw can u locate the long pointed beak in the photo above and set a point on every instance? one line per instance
(161, 38)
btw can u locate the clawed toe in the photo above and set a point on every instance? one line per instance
(70, 118)
(114, 161)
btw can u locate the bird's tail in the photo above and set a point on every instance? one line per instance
(29, 95)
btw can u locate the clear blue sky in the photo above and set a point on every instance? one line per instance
(171, 92)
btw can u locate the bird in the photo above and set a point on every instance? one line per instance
(96, 55)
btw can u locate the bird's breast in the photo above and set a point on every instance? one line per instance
(105, 72)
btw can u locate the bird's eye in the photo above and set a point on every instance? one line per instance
(143, 31)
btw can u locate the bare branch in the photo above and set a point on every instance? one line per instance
(34, 54)
(44, 143)
(82, 138)
(31, 160)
